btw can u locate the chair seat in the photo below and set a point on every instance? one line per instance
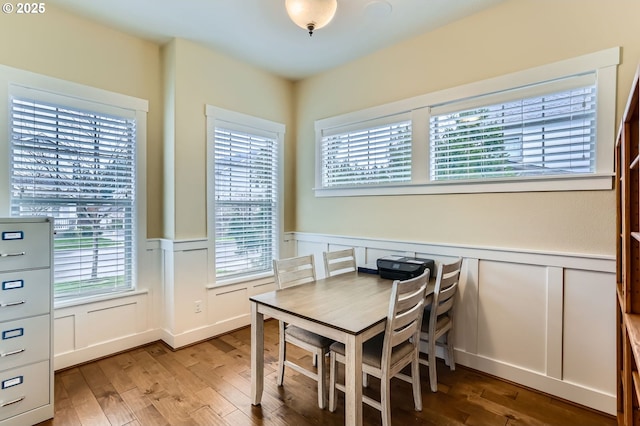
(372, 351)
(308, 337)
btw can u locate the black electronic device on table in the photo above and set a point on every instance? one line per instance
(403, 267)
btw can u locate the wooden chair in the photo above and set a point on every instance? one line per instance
(339, 262)
(437, 321)
(288, 273)
(386, 354)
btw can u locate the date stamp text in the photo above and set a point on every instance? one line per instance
(24, 8)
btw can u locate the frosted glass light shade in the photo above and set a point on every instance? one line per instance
(311, 14)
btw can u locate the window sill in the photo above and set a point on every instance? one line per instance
(598, 182)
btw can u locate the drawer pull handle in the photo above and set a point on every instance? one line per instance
(15, 401)
(16, 352)
(7, 305)
(21, 253)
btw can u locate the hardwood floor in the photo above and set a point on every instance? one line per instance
(209, 384)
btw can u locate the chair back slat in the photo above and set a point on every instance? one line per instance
(444, 307)
(404, 319)
(294, 271)
(446, 298)
(339, 261)
(405, 325)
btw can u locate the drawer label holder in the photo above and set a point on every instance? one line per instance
(12, 285)
(12, 235)
(10, 334)
(14, 381)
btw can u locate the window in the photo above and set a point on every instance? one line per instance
(243, 170)
(75, 154)
(545, 129)
(78, 167)
(373, 153)
(549, 134)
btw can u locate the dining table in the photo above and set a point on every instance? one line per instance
(349, 308)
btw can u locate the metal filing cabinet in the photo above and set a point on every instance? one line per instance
(26, 321)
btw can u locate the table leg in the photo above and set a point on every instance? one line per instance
(353, 381)
(257, 354)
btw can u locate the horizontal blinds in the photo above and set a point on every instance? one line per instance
(551, 134)
(375, 154)
(246, 197)
(78, 167)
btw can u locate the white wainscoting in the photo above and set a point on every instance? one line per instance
(102, 326)
(544, 320)
(223, 307)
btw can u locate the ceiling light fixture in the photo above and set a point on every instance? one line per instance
(311, 14)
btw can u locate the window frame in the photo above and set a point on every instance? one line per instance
(16, 82)
(228, 118)
(603, 63)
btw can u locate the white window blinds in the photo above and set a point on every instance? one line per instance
(77, 166)
(517, 134)
(370, 153)
(245, 200)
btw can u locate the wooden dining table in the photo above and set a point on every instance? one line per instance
(349, 308)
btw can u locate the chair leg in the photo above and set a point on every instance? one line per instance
(385, 400)
(443, 344)
(415, 382)
(282, 352)
(332, 381)
(433, 379)
(322, 388)
(450, 356)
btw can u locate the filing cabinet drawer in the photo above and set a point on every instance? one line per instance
(24, 293)
(22, 245)
(24, 341)
(23, 389)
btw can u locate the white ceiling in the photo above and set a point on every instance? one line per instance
(260, 32)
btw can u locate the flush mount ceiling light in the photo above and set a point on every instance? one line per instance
(311, 14)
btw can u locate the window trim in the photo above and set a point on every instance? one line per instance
(216, 114)
(12, 81)
(604, 63)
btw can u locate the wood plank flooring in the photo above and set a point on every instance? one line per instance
(209, 384)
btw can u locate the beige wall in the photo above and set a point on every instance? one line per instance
(60, 45)
(203, 77)
(169, 110)
(514, 36)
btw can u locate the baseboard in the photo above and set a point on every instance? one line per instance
(103, 349)
(190, 337)
(591, 398)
